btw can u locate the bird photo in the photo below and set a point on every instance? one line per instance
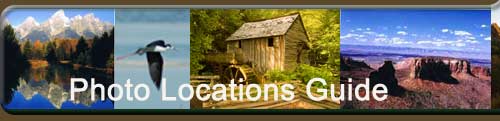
(152, 48)
(155, 60)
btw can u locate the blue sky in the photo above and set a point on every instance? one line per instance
(17, 16)
(152, 15)
(463, 30)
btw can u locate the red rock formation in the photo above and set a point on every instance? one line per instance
(482, 72)
(428, 83)
(386, 75)
(439, 69)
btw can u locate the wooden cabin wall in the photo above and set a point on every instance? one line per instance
(295, 38)
(257, 52)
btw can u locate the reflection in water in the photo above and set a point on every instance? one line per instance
(53, 84)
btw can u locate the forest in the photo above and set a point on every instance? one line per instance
(96, 52)
(211, 27)
(22, 55)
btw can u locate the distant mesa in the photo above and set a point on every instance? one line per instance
(60, 26)
(347, 64)
(441, 69)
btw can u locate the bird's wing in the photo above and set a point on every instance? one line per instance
(125, 56)
(155, 63)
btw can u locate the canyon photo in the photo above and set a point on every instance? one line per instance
(424, 64)
(424, 82)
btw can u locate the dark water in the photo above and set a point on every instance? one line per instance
(48, 88)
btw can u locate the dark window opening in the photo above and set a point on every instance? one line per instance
(270, 42)
(239, 43)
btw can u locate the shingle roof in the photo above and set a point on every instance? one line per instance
(265, 28)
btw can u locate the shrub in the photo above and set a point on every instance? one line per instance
(277, 75)
(307, 72)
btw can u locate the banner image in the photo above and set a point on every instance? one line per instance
(264, 58)
(48, 47)
(152, 58)
(428, 59)
(211, 60)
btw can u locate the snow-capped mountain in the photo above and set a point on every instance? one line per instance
(60, 26)
(27, 26)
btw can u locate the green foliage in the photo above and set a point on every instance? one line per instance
(277, 75)
(307, 72)
(111, 61)
(61, 53)
(51, 52)
(27, 48)
(209, 29)
(98, 54)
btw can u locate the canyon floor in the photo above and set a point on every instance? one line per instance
(422, 83)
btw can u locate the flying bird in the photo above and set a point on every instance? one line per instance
(155, 61)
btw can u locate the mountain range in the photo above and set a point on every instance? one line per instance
(61, 26)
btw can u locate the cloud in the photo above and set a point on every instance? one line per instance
(369, 33)
(350, 35)
(382, 39)
(445, 30)
(362, 39)
(440, 42)
(424, 42)
(436, 43)
(470, 38)
(381, 35)
(368, 29)
(488, 38)
(484, 26)
(397, 40)
(402, 33)
(462, 33)
(459, 44)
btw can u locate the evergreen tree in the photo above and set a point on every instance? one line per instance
(27, 49)
(15, 62)
(51, 52)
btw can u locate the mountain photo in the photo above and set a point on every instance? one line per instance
(49, 47)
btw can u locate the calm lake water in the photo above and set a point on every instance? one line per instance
(48, 88)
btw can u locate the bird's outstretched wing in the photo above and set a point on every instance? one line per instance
(156, 43)
(155, 64)
(125, 56)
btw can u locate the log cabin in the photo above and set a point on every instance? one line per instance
(279, 43)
